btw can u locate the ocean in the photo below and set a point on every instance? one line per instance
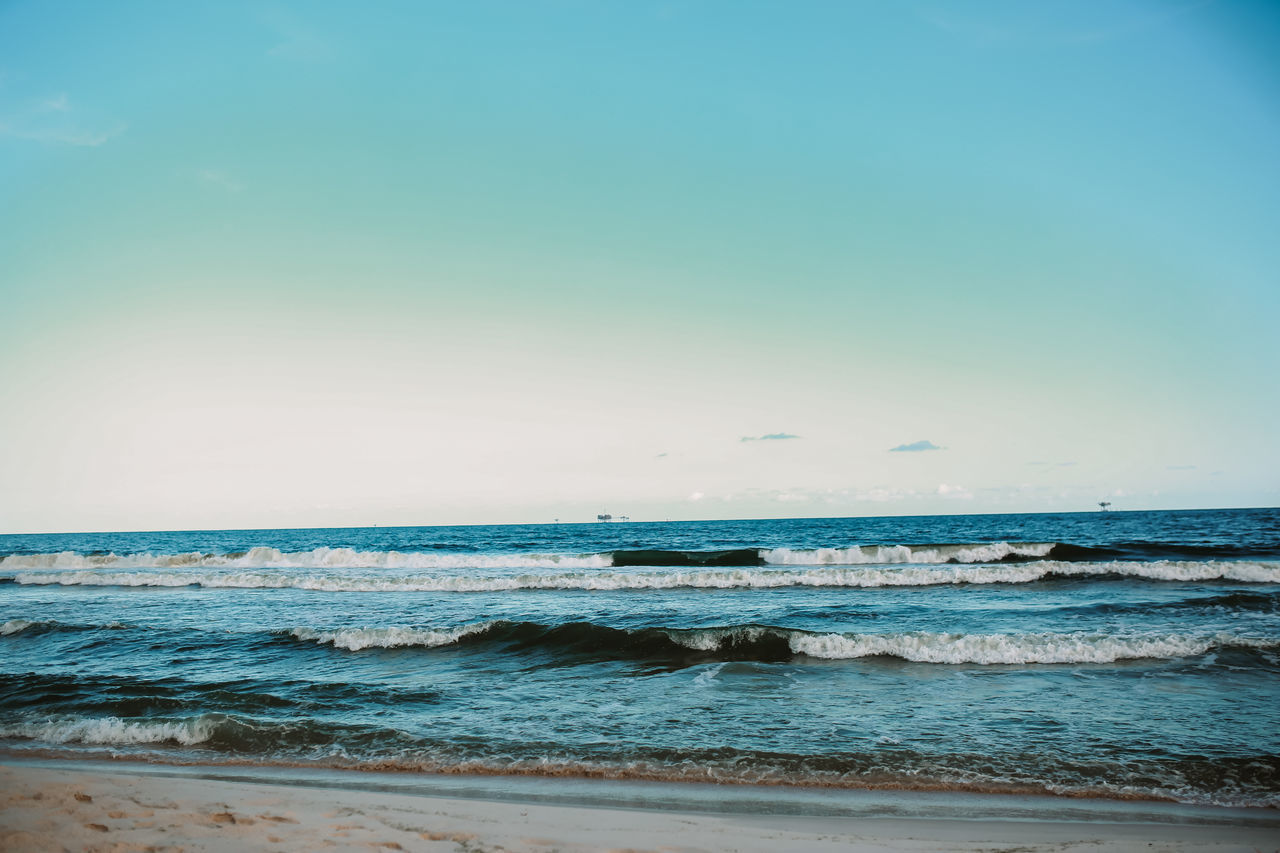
(1117, 654)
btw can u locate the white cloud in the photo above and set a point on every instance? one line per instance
(58, 104)
(884, 494)
(796, 494)
(220, 180)
(956, 492)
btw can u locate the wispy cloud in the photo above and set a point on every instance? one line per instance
(53, 119)
(830, 496)
(955, 492)
(220, 180)
(972, 30)
(915, 447)
(58, 103)
(63, 136)
(883, 494)
(773, 436)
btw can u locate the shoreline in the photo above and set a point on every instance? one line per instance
(52, 803)
(594, 784)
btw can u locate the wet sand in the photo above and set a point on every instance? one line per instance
(123, 807)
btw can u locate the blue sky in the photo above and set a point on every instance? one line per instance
(270, 265)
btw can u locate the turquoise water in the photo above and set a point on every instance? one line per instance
(1116, 654)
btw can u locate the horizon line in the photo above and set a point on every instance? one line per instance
(633, 521)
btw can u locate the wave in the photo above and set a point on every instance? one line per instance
(1042, 648)
(57, 696)
(1148, 550)
(225, 732)
(33, 626)
(116, 731)
(1234, 780)
(654, 557)
(856, 555)
(1239, 602)
(324, 558)
(749, 642)
(1242, 572)
(355, 639)
(769, 643)
(317, 558)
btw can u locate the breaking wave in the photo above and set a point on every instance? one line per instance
(19, 626)
(331, 581)
(317, 558)
(327, 559)
(355, 639)
(1043, 648)
(889, 554)
(769, 643)
(117, 731)
(1243, 780)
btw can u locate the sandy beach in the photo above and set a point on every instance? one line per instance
(119, 807)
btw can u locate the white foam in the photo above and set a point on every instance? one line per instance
(926, 647)
(890, 554)
(113, 730)
(262, 557)
(930, 647)
(1176, 570)
(916, 646)
(317, 558)
(15, 626)
(709, 639)
(889, 576)
(704, 678)
(355, 639)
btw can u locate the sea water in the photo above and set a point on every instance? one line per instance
(1119, 654)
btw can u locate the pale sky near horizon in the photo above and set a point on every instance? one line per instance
(268, 265)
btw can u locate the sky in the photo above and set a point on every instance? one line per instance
(333, 264)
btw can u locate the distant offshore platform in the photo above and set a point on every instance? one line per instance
(604, 516)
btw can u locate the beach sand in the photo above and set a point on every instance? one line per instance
(116, 808)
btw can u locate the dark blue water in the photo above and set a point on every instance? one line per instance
(1104, 654)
